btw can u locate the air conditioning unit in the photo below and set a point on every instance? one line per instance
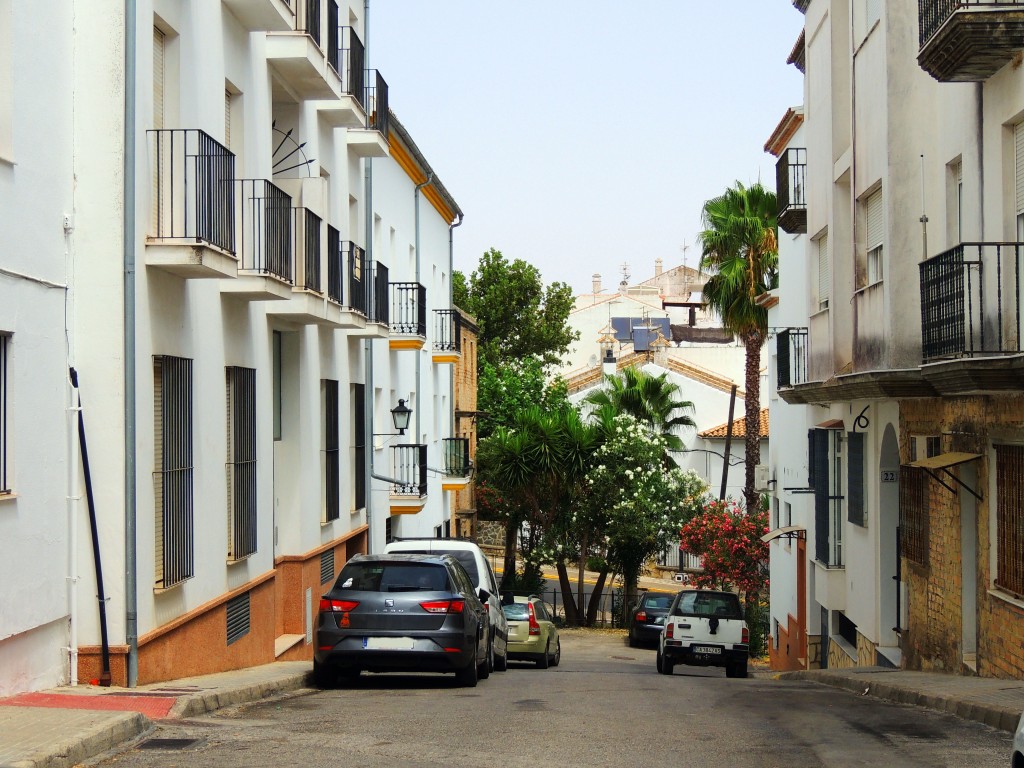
(762, 478)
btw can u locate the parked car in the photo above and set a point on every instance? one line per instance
(532, 635)
(480, 573)
(1017, 760)
(644, 626)
(704, 628)
(401, 613)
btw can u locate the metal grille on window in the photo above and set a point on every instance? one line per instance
(173, 475)
(241, 462)
(855, 477)
(1010, 519)
(332, 466)
(819, 458)
(359, 445)
(914, 514)
(238, 617)
(326, 566)
(5, 486)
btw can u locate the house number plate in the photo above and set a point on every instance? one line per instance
(890, 476)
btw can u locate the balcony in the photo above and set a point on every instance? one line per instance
(301, 57)
(971, 319)
(791, 355)
(409, 471)
(791, 189)
(264, 215)
(458, 468)
(968, 41)
(262, 15)
(408, 315)
(372, 141)
(368, 287)
(345, 307)
(447, 336)
(307, 304)
(192, 234)
(349, 110)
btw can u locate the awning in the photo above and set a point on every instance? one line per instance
(831, 424)
(942, 463)
(786, 532)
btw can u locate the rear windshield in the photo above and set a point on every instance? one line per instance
(393, 577)
(724, 605)
(464, 556)
(657, 602)
(516, 611)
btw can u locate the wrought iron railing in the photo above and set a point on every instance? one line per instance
(970, 301)
(359, 297)
(447, 330)
(791, 189)
(352, 65)
(335, 266)
(409, 466)
(932, 14)
(409, 309)
(791, 356)
(456, 456)
(307, 18)
(376, 103)
(378, 311)
(333, 36)
(193, 188)
(265, 229)
(307, 250)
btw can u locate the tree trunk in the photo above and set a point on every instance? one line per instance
(753, 341)
(582, 568)
(508, 574)
(571, 613)
(595, 597)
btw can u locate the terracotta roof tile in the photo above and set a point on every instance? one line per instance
(739, 428)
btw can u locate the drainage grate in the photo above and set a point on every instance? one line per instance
(168, 743)
(238, 617)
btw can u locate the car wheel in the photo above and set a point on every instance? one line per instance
(349, 675)
(633, 643)
(484, 671)
(543, 659)
(740, 669)
(323, 676)
(501, 662)
(468, 676)
(664, 665)
(657, 661)
(558, 653)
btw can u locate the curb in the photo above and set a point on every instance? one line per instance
(200, 704)
(1001, 718)
(102, 738)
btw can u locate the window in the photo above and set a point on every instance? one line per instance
(241, 461)
(874, 234)
(914, 514)
(827, 480)
(787, 508)
(856, 508)
(954, 202)
(358, 422)
(276, 340)
(1010, 519)
(6, 83)
(173, 470)
(824, 272)
(1018, 144)
(5, 480)
(159, 77)
(332, 466)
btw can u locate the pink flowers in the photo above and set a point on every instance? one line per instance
(729, 541)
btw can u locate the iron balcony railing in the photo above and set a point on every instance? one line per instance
(447, 330)
(377, 310)
(193, 188)
(409, 309)
(352, 65)
(346, 269)
(265, 229)
(376, 102)
(335, 266)
(932, 14)
(359, 294)
(409, 467)
(307, 250)
(791, 353)
(333, 36)
(791, 189)
(456, 456)
(308, 20)
(970, 301)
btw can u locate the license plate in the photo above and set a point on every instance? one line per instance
(389, 643)
(706, 649)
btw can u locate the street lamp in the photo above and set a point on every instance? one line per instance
(400, 416)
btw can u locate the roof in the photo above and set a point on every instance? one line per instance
(739, 428)
(445, 198)
(784, 131)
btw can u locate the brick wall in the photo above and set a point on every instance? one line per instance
(465, 404)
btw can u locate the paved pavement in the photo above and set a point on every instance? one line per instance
(65, 726)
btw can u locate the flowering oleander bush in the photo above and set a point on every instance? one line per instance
(729, 541)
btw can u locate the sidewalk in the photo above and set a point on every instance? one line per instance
(64, 726)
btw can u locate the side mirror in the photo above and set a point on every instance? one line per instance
(484, 595)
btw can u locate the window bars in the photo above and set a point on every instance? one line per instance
(409, 309)
(332, 465)
(1010, 519)
(173, 474)
(265, 229)
(409, 464)
(241, 461)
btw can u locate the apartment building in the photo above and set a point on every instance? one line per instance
(258, 259)
(911, 345)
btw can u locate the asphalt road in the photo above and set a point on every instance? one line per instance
(605, 705)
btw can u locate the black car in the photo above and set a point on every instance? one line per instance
(643, 619)
(401, 613)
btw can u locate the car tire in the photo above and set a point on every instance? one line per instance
(501, 662)
(558, 653)
(739, 669)
(633, 642)
(664, 665)
(657, 661)
(484, 669)
(544, 659)
(323, 676)
(468, 676)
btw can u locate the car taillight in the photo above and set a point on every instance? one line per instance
(641, 615)
(534, 626)
(746, 635)
(668, 630)
(443, 606)
(337, 606)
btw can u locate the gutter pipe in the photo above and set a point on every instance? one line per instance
(368, 399)
(419, 262)
(451, 303)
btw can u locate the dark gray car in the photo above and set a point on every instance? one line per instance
(401, 613)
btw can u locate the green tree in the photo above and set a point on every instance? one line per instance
(518, 316)
(740, 256)
(504, 391)
(460, 291)
(649, 399)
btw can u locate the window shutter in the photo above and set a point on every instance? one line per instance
(875, 222)
(227, 118)
(824, 272)
(782, 358)
(810, 458)
(821, 495)
(855, 476)
(158, 79)
(1018, 141)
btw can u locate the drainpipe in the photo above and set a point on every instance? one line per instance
(74, 502)
(368, 344)
(128, 243)
(451, 368)
(419, 262)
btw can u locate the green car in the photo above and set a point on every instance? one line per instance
(531, 633)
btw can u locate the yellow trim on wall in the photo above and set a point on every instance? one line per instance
(413, 171)
(446, 358)
(405, 510)
(406, 343)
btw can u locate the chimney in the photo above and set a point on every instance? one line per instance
(658, 267)
(597, 282)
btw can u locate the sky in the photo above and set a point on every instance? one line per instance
(581, 135)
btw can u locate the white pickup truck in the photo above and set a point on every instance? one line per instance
(706, 629)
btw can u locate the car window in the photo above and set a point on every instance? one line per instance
(516, 612)
(393, 577)
(466, 558)
(541, 611)
(462, 578)
(660, 602)
(493, 589)
(707, 604)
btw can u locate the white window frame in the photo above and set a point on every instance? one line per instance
(874, 236)
(5, 410)
(824, 293)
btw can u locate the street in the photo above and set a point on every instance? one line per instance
(605, 705)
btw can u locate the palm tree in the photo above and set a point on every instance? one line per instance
(740, 255)
(649, 399)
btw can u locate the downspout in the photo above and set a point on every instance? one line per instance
(130, 564)
(419, 262)
(368, 344)
(451, 304)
